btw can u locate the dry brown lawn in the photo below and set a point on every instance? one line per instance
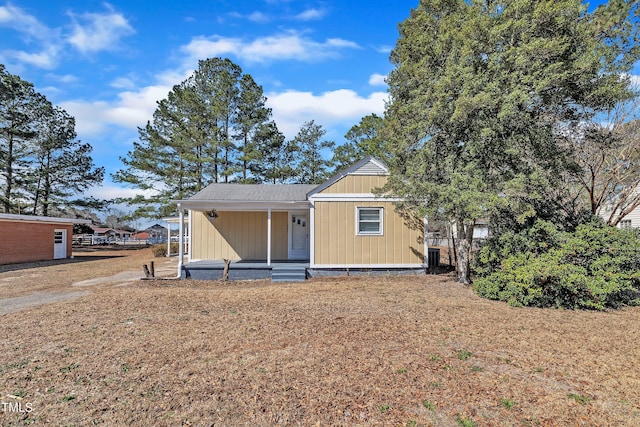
(421, 351)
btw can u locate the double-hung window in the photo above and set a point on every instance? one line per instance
(369, 221)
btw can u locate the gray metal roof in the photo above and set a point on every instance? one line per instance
(254, 193)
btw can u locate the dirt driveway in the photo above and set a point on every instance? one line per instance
(31, 284)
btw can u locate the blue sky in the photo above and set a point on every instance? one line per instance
(107, 63)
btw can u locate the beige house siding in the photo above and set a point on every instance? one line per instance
(239, 235)
(351, 184)
(336, 241)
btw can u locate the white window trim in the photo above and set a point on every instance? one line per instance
(626, 223)
(381, 220)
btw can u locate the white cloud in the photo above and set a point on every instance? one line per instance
(285, 46)
(311, 15)
(20, 21)
(16, 18)
(291, 109)
(47, 58)
(258, 17)
(377, 80)
(123, 83)
(111, 191)
(66, 78)
(90, 32)
(99, 31)
(130, 110)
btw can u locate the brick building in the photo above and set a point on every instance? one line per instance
(26, 238)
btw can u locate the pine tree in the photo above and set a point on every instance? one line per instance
(252, 113)
(363, 139)
(312, 166)
(18, 101)
(273, 156)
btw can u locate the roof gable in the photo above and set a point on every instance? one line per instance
(367, 166)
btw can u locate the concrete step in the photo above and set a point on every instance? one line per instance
(288, 274)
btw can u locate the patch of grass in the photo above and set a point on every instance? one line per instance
(68, 398)
(429, 405)
(69, 368)
(537, 369)
(507, 403)
(465, 421)
(125, 367)
(412, 423)
(402, 371)
(15, 365)
(580, 398)
(435, 358)
(35, 420)
(476, 368)
(464, 354)
(383, 408)
(435, 384)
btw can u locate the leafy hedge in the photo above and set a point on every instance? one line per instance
(594, 267)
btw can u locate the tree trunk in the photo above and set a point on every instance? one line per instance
(463, 246)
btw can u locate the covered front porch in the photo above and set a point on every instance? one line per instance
(256, 226)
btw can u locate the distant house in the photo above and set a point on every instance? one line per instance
(631, 220)
(336, 226)
(26, 238)
(141, 235)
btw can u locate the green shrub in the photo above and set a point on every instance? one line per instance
(594, 267)
(161, 250)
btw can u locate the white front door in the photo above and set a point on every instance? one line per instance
(59, 244)
(298, 235)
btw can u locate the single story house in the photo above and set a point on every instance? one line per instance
(338, 226)
(27, 238)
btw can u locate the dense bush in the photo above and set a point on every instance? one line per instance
(161, 250)
(594, 267)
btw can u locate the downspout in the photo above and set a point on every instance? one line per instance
(426, 242)
(269, 237)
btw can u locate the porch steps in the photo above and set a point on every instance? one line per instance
(288, 273)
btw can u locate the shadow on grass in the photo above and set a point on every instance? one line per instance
(36, 264)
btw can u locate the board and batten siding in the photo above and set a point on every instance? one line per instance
(351, 184)
(239, 235)
(336, 242)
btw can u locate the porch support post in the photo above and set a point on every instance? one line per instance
(168, 239)
(269, 236)
(312, 234)
(180, 240)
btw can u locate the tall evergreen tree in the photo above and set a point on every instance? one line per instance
(190, 141)
(480, 90)
(273, 156)
(251, 114)
(18, 102)
(363, 139)
(312, 166)
(42, 164)
(62, 165)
